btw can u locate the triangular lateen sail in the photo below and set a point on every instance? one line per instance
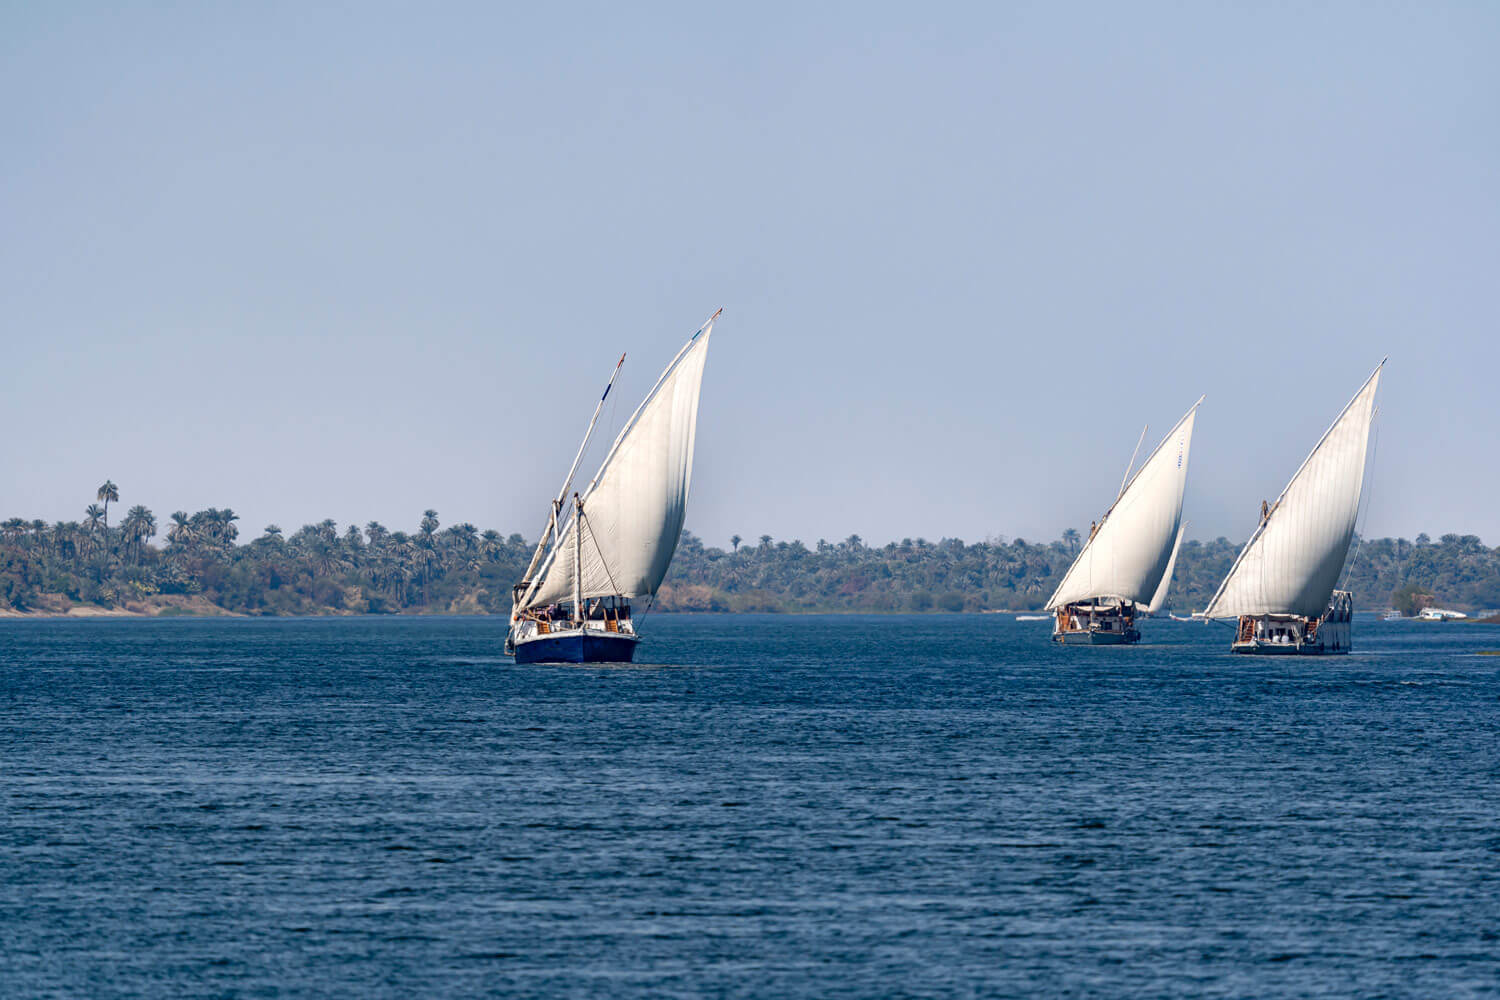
(633, 509)
(1292, 562)
(1130, 550)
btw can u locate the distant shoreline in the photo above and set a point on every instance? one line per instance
(197, 610)
(107, 566)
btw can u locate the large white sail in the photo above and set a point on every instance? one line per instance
(1292, 562)
(634, 508)
(1132, 547)
(1160, 597)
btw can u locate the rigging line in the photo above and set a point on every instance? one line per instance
(602, 562)
(1125, 481)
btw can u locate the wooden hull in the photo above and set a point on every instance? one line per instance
(577, 646)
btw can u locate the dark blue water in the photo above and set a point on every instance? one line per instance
(787, 807)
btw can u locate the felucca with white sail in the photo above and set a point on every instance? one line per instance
(1126, 565)
(613, 543)
(1281, 588)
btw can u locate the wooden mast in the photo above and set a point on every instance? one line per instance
(578, 559)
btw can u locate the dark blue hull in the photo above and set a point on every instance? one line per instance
(576, 647)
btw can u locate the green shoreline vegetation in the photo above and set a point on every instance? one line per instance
(199, 567)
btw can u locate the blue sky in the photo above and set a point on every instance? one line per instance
(355, 261)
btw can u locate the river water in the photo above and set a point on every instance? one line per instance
(775, 807)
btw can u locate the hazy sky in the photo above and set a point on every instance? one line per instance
(360, 260)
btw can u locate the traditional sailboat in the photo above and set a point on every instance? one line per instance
(1281, 588)
(613, 543)
(1126, 564)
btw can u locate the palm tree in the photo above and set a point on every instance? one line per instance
(181, 531)
(1071, 536)
(427, 555)
(227, 531)
(215, 526)
(97, 525)
(429, 522)
(319, 544)
(464, 541)
(406, 554)
(62, 539)
(148, 522)
(491, 545)
(139, 525)
(109, 491)
(735, 541)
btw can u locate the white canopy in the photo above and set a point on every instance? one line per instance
(1292, 562)
(634, 508)
(1132, 548)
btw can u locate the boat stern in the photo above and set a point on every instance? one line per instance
(1294, 635)
(576, 645)
(1096, 624)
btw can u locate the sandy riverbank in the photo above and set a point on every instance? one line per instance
(155, 606)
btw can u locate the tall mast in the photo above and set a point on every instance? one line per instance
(577, 558)
(568, 480)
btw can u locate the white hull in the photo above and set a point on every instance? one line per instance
(1294, 635)
(1096, 624)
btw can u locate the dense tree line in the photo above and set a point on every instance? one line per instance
(317, 569)
(198, 562)
(949, 575)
